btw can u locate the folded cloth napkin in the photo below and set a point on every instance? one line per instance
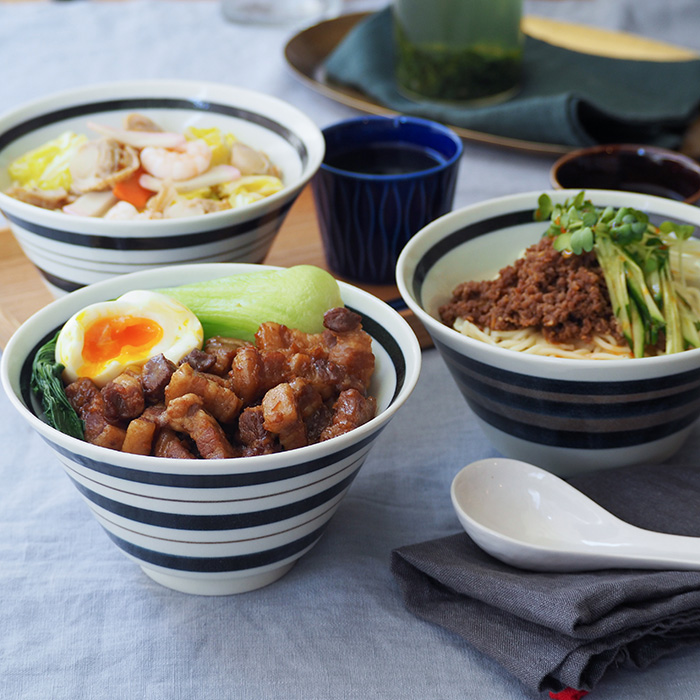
(555, 631)
(567, 98)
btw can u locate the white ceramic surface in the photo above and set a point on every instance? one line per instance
(71, 251)
(216, 526)
(529, 518)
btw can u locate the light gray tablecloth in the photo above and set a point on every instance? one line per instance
(78, 621)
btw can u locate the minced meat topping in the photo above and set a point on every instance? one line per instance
(563, 296)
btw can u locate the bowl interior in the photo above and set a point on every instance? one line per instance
(359, 136)
(476, 242)
(644, 169)
(171, 114)
(395, 347)
(290, 139)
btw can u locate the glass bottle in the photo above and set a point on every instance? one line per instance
(458, 50)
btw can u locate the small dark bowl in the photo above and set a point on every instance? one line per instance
(632, 168)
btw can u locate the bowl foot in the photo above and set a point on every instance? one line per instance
(217, 586)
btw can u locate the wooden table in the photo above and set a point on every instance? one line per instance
(22, 291)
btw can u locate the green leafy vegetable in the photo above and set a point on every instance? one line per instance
(635, 257)
(235, 306)
(46, 383)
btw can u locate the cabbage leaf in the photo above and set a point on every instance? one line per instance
(47, 167)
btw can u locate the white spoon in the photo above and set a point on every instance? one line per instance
(532, 519)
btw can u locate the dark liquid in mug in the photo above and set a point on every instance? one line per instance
(629, 172)
(385, 159)
(649, 188)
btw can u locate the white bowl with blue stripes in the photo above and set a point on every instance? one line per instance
(565, 415)
(72, 251)
(215, 527)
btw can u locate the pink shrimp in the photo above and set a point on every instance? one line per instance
(182, 163)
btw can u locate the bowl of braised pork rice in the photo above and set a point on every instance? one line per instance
(569, 320)
(212, 416)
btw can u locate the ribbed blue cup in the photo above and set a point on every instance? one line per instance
(366, 218)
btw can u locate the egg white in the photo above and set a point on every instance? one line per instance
(182, 333)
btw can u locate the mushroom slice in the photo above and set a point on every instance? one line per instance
(140, 122)
(160, 201)
(99, 165)
(46, 199)
(251, 162)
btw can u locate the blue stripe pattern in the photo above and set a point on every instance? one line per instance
(200, 523)
(589, 415)
(88, 108)
(212, 565)
(212, 481)
(560, 413)
(185, 240)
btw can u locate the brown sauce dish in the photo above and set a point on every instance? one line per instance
(629, 167)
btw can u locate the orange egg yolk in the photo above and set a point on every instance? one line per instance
(124, 338)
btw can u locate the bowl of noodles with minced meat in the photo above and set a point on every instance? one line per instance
(570, 321)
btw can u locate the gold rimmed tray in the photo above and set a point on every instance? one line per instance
(307, 51)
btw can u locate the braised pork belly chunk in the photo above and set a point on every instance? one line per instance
(234, 398)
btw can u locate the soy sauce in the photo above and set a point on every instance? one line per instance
(649, 188)
(390, 158)
(634, 170)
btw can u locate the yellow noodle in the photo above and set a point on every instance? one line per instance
(531, 341)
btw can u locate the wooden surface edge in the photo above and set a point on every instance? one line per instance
(23, 292)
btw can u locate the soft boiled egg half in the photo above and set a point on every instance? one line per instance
(102, 339)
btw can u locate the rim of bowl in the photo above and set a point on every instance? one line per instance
(295, 121)
(396, 120)
(630, 148)
(402, 334)
(450, 222)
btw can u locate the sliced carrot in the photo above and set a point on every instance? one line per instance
(130, 190)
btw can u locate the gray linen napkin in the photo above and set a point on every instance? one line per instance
(567, 97)
(554, 630)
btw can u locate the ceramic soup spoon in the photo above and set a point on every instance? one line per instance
(532, 519)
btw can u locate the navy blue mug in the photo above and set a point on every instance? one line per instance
(382, 179)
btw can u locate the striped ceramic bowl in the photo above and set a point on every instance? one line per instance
(72, 251)
(216, 527)
(564, 415)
